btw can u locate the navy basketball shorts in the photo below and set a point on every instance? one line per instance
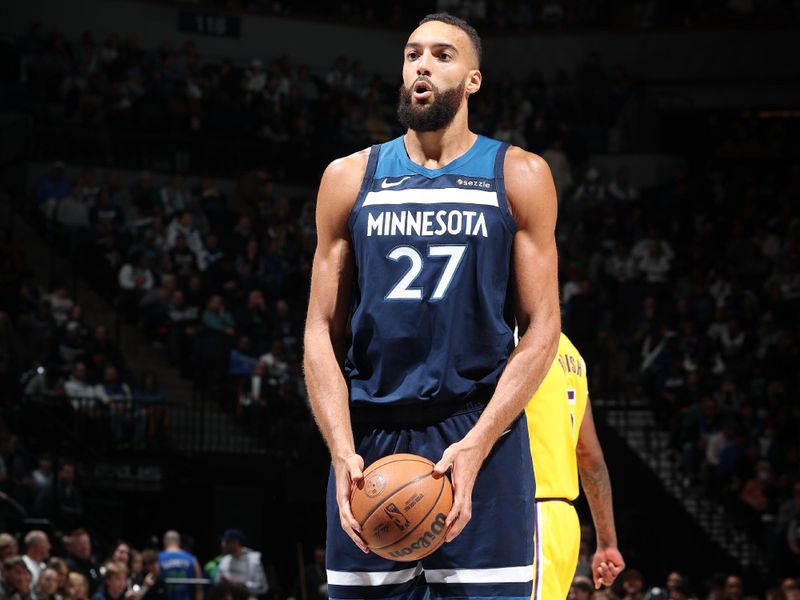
(493, 555)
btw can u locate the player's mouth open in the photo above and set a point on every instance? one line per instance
(422, 90)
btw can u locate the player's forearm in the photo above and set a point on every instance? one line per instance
(597, 487)
(327, 392)
(524, 372)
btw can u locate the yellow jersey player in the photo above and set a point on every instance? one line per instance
(563, 443)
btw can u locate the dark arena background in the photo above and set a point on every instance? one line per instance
(158, 171)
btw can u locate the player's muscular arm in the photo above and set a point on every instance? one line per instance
(532, 199)
(607, 562)
(326, 322)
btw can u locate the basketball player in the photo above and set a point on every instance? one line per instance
(421, 240)
(564, 442)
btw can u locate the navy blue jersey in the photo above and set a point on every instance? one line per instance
(178, 564)
(432, 253)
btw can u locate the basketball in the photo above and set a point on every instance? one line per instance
(401, 507)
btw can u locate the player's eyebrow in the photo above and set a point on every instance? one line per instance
(437, 46)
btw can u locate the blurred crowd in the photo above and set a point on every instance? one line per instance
(524, 15)
(49, 353)
(683, 294)
(216, 282)
(36, 567)
(294, 115)
(632, 585)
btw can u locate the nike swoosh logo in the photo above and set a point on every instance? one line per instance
(385, 184)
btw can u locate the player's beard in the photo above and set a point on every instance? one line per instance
(434, 115)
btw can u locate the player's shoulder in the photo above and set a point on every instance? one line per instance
(524, 165)
(527, 177)
(339, 187)
(347, 168)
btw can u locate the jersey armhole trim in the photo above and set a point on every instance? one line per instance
(366, 184)
(500, 184)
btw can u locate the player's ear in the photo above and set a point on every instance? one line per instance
(473, 81)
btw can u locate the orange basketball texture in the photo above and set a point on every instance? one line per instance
(401, 507)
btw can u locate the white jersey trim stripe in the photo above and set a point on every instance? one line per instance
(367, 578)
(431, 196)
(501, 575)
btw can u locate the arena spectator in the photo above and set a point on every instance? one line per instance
(105, 217)
(183, 226)
(254, 319)
(175, 197)
(153, 586)
(254, 81)
(71, 345)
(47, 586)
(733, 589)
(120, 553)
(253, 394)
(276, 363)
(45, 382)
(250, 264)
(216, 318)
(632, 585)
(590, 194)
(101, 343)
(184, 260)
(182, 323)
(175, 562)
(60, 304)
(581, 588)
(242, 566)
(78, 389)
(37, 550)
(111, 389)
(61, 570)
(16, 584)
(79, 550)
(77, 587)
(71, 212)
(8, 546)
(42, 477)
(115, 576)
(243, 358)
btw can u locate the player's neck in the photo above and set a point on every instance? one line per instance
(435, 149)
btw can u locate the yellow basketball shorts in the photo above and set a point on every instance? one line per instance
(557, 540)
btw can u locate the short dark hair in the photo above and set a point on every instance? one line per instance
(15, 561)
(462, 25)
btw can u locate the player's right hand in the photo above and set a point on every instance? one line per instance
(607, 563)
(349, 471)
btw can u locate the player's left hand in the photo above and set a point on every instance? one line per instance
(607, 563)
(465, 459)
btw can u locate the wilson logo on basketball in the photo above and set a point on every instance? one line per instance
(425, 540)
(397, 517)
(374, 485)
